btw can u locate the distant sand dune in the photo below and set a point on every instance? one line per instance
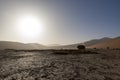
(113, 43)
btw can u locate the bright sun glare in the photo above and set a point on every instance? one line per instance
(30, 27)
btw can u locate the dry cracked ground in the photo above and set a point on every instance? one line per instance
(44, 65)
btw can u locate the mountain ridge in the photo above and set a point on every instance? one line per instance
(94, 43)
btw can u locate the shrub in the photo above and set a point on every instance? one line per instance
(81, 48)
(107, 47)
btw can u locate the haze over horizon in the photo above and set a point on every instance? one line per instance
(58, 21)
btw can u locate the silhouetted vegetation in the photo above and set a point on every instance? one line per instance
(108, 47)
(94, 48)
(80, 47)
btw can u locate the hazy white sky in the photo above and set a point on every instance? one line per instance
(65, 21)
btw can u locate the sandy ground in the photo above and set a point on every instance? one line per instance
(46, 66)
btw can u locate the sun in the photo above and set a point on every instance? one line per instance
(30, 27)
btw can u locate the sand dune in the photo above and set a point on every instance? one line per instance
(113, 43)
(95, 43)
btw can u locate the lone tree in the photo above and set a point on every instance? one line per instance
(107, 47)
(81, 48)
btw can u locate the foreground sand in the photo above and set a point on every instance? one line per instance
(46, 66)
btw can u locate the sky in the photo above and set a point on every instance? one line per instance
(65, 21)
